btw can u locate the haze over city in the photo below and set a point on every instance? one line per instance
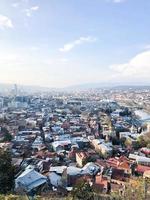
(75, 99)
(58, 43)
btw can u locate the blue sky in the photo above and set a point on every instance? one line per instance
(58, 43)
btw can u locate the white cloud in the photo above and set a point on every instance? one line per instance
(69, 46)
(115, 1)
(147, 47)
(15, 5)
(137, 67)
(118, 1)
(5, 22)
(30, 11)
(34, 8)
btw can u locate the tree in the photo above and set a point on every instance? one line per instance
(115, 141)
(142, 141)
(6, 172)
(128, 143)
(83, 190)
(136, 145)
(7, 135)
(135, 190)
(122, 141)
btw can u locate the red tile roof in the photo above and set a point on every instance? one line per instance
(142, 169)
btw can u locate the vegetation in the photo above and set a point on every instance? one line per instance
(134, 190)
(83, 190)
(12, 197)
(7, 135)
(6, 172)
(143, 141)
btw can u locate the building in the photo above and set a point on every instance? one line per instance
(81, 158)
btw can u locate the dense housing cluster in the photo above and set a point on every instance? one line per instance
(58, 139)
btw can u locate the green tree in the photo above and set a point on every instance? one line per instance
(6, 172)
(7, 135)
(83, 190)
(122, 141)
(142, 141)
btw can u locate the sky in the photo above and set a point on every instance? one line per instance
(59, 43)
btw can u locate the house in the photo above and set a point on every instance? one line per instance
(74, 173)
(101, 184)
(141, 169)
(58, 169)
(106, 149)
(81, 158)
(118, 175)
(124, 134)
(38, 143)
(29, 180)
(31, 122)
(96, 143)
(43, 165)
(55, 179)
(61, 145)
(58, 176)
(82, 142)
(140, 159)
(102, 147)
(120, 163)
(145, 150)
(69, 175)
(91, 169)
(116, 113)
(146, 174)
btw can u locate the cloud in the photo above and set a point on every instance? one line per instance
(30, 11)
(137, 67)
(118, 1)
(15, 5)
(146, 47)
(34, 8)
(5, 22)
(69, 46)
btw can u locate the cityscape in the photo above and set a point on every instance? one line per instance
(74, 100)
(58, 139)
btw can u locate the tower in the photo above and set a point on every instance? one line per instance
(15, 90)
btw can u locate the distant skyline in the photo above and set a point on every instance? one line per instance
(60, 43)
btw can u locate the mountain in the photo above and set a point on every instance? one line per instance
(8, 88)
(108, 85)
